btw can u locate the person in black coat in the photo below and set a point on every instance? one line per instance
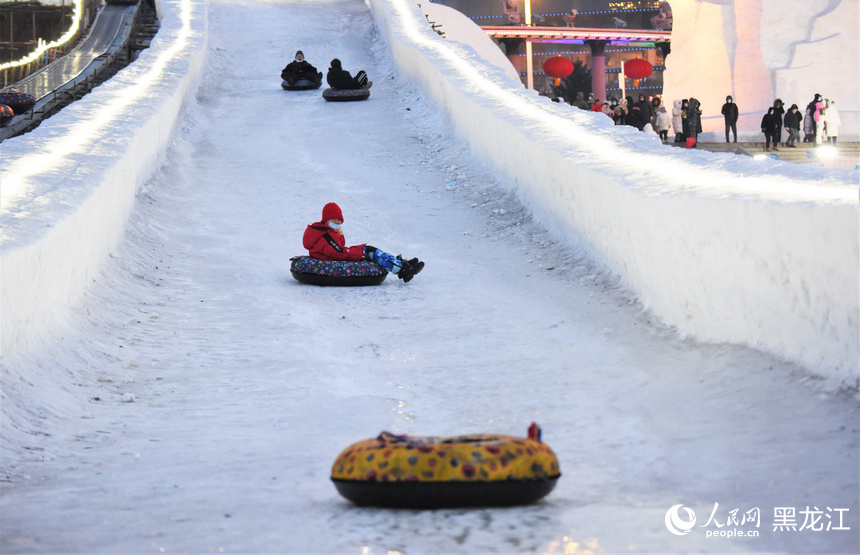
(694, 118)
(300, 69)
(730, 114)
(779, 112)
(645, 106)
(338, 78)
(769, 128)
(635, 118)
(792, 125)
(810, 128)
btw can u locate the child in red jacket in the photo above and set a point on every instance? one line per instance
(324, 240)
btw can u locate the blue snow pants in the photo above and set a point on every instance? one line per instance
(387, 261)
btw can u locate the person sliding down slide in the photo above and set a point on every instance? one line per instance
(300, 69)
(324, 240)
(340, 79)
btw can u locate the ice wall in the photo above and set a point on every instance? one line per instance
(726, 248)
(67, 188)
(760, 50)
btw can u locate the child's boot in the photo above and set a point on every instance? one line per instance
(408, 268)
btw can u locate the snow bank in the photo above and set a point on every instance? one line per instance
(464, 30)
(69, 186)
(726, 248)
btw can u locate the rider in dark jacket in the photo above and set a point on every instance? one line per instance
(339, 78)
(300, 69)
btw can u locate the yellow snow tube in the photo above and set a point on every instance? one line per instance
(431, 472)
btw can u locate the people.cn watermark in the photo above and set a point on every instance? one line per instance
(681, 520)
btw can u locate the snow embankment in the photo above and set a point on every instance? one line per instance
(726, 248)
(69, 186)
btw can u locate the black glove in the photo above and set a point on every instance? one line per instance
(367, 250)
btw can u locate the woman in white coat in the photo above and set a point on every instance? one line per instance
(663, 121)
(831, 122)
(678, 121)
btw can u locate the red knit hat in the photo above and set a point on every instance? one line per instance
(331, 211)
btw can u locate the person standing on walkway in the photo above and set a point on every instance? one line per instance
(779, 112)
(645, 109)
(580, 101)
(831, 122)
(818, 115)
(663, 122)
(635, 118)
(678, 121)
(792, 125)
(694, 119)
(768, 127)
(619, 114)
(730, 114)
(656, 102)
(809, 126)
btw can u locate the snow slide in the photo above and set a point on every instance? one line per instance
(725, 248)
(195, 395)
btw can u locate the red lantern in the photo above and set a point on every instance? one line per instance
(637, 69)
(558, 67)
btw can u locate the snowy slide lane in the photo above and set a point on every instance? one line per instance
(198, 397)
(725, 248)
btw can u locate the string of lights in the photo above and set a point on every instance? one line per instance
(637, 88)
(566, 52)
(44, 47)
(538, 73)
(562, 14)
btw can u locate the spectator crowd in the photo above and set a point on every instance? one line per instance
(819, 121)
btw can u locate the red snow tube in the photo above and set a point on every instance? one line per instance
(345, 95)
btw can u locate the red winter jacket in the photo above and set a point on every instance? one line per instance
(325, 243)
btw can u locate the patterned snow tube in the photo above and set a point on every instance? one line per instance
(345, 95)
(301, 85)
(19, 102)
(314, 271)
(6, 113)
(437, 472)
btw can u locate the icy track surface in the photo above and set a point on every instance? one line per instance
(198, 402)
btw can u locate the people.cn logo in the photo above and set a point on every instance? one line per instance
(678, 525)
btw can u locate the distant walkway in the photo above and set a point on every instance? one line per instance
(845, 155)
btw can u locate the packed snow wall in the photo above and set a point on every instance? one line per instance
(68, 187)
(726, 248)
(761, 50)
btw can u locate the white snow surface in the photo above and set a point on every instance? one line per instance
(197, 397)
